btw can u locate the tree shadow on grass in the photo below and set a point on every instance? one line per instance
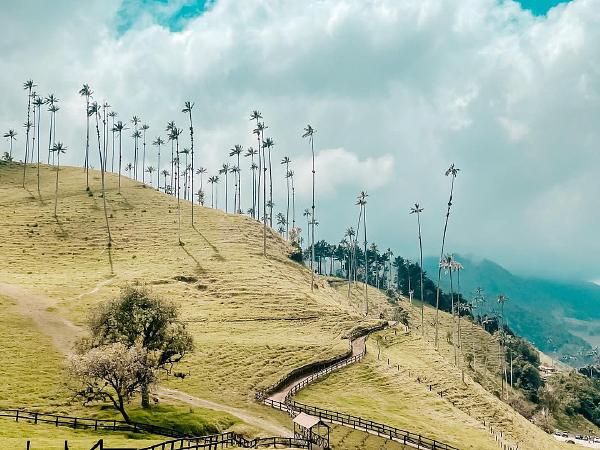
(199, 267)
(216, 251)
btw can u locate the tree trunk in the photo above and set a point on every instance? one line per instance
(145, 396)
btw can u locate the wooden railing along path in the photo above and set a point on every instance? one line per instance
(289, 405)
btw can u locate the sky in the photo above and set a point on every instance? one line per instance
(397, 90)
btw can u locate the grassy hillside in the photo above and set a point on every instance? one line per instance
(398, 392)
(253, 318)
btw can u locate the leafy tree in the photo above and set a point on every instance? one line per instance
(112, 372)
(138, 318)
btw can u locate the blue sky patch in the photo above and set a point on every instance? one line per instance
(172, 14)
(540, 7)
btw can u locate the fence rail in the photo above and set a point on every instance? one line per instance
(87, 423)
(225, 440)
(356, 422)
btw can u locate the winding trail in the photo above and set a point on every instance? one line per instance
(64, 334)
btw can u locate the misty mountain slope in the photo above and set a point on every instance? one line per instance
(557, 316)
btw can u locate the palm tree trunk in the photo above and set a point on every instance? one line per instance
(458, 305)
(178, 200)
(112, 165)
(192, 175)
(366, 261)
(172, 169)
(120, 159)
(56, 188)
(144, 160)
(421, 267)
(437, 295)
(27, 138)
(102, 163)
(293, 205)
(38, 147)
(87, 143)
(312, 281)
(287, 215)
(270, 191)
(158, 170)
(453, 319)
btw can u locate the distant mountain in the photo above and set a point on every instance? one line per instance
(560, 318)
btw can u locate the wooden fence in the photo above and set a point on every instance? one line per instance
(228, 439)
(86, 423)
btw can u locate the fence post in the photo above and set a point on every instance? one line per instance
(28, 444)
(66, 446)
(17, 416)
(75, 423)
(35, 418)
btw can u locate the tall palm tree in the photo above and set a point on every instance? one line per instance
(95, 110)
(418, 210)
(135, 120)
(213, 180)
(112, 115)
(251, 152)
(38, 102)
(87, 92)
(150, 170)
(188, 106)
(307, 214)
(237, 151)
(158, 142)
(225, 170)
(12, 135)
(235, 170)
(118, 128)
(457, 267)
(260, 129)
(105, 107)
(169, 129)
(175, 133)
(165, 174)
(286, 161)
(452, 172)
(186, 152)
(362, 202)
(268, 144)
(145, 128)
(28, 86)
(256, 115)
(290, 175)
(58, 148)
(447, 265)
(201, 171)
(51, 100)
(309, 133)
(350, 234)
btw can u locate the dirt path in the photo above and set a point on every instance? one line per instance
(37, 307)
(250, 418)
(64, 333)
(358, 346)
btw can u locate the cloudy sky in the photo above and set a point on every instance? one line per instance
(397, 90)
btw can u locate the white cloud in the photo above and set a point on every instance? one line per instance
(398, 89)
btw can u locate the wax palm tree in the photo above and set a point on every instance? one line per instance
(158, 142)
(502, 299)
(447, 265)
(350, 234)
(112, 115)
(105, 108)
(418, 210)
(268, 144)
(452, 172)
(256, 115)
(165, 174)
(259, 131)
(58, 148)
(362, 202)
(150, 170)
(200, 196)
(237, 151)
(235, 170)
(118, 128)
(286, 161)
(37, 103)
(457, 267)
(213, 180)
(12, 135)
(290, 176)
(87, 92)
(307, 214)
(251, 152)
(135, 120)
(201, 171)
(309, 133)
(95, 111)
(186, 152)
(52, 101)
(175, 133)
(187, 108)
(225, 171)
(281, 222)
(169, 129)
(145, 128)
(28, 86)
